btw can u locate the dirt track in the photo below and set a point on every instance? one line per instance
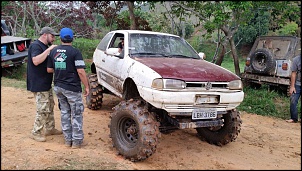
(263, 144)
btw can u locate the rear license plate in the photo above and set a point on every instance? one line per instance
(204, 113)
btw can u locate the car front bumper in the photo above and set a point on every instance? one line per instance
(184, 102)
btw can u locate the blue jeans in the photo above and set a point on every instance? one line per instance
(294, 99)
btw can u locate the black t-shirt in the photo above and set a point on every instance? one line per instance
(38, 79)
(65, 60)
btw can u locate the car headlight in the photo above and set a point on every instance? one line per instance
(236, 85)
(161, 84)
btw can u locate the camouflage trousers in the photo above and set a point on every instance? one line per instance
(72, 109)
(44, 119)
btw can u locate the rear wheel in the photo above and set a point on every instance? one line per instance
(225, 133)
(134, 130)
(95, 97)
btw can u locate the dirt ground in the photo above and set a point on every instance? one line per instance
(264, 143)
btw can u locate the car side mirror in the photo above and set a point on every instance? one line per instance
(202, 55)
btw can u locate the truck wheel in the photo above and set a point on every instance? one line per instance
(95, 97)
(262, 61)
(224, 134)
(134, 130)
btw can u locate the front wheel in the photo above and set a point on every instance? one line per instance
(134, 130)
(225, 133)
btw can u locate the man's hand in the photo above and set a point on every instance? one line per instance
(292, 90)
(86, 93)
(51, 47)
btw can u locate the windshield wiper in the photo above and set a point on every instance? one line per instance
(153, 54)
(178, 56)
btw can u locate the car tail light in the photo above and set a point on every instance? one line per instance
(247, 63)
(285, 66)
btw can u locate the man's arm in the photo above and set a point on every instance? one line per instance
(41, 57)
(50, 70)
(50, 67)
(82, 75)
(292, 82)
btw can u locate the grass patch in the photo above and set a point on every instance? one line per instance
(228, 63)
(266, 102)
(10, 82)
(18, 72)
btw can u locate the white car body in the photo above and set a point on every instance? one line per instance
(113, 71)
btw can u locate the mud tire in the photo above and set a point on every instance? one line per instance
(134, 130)
(262, 61)
(94, 99)
(224, 134)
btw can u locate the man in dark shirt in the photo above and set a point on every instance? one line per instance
(39, 82)
(69, 71)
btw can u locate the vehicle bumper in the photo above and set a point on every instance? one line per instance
(265, 79)
(183, 103)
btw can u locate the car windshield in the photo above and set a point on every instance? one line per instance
(155, 45)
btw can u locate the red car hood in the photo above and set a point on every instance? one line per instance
(188, 69)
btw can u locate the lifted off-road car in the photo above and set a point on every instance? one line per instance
(269, 61)
(164, 84)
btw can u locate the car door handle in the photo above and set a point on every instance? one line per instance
(103, 60)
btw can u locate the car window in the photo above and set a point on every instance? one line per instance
(160, 44)
(116, 40)
(104, 42)
(279, 47)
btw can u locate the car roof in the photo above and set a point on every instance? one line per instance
(142, 32)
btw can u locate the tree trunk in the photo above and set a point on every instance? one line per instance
(33, 17)
(229, 36)
(235, 56)
(23, 28)
(183, 29)
(133, 25)
(221, 55)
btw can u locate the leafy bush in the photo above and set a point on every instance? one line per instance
(289, 29)
(86, 46)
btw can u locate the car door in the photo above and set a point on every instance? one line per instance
(111, 66)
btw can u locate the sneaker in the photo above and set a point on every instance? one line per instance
(75, 145)
(38, 137)
(53, 132)
(291, 121)
(68, 143)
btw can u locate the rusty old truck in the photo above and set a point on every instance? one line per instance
(269, 61)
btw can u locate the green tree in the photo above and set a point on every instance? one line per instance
(33, 15)
(290, 29)
(111, 9)
(257, 26)
(228, 16)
